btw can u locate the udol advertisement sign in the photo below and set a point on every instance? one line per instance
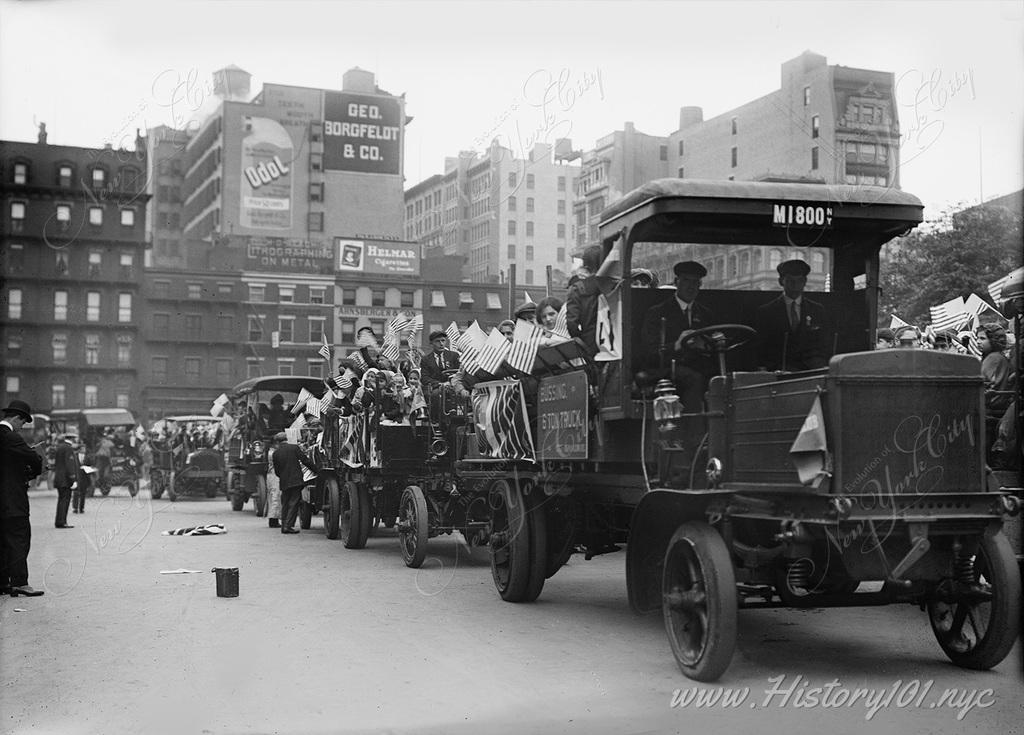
(362, 133)
(378, 256)
(266, 189)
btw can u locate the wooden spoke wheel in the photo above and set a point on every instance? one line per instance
(413, 526)
(332, 508)
(977, 622)
(354, 516)
(699, 601)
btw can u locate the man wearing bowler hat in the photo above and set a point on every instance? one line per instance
(667, 325)
(18, 464)
(440, 364)
(792, 330)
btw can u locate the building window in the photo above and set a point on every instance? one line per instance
(257, 292)
(255, 329)
(465, 300)
(681, 149)
(529, 204)
(99, 177)
(159, 369)
(511, 227)
(560, 231)
(561, 206)
(285, 367)
(560, 255)
(124, 350)
(406, 301)
(127, 262)
(124, 307)
(161, 323)
(252, 369)
(494, 301)
(224, 289)
(13, 346)
(315, 368)
(774, 258)
(512, 204)
(348, 331)
(316, 191)
(437, 299)
(316, 162)
(193, 326)
(316, 329)
(61, 263)
(20, 173)
(64, 174)
(161, 289)
(814, 158)
(316, 294)
(193, 365)
(122, 400)
(92, 306)
(96, 216)
(512, 252)
(60, 348)
(92, 349)
(316, 221)
(286, 294)
(60, 306)
(512, 179)
(733, 122)
(735, 156)
(529, 229)
(14, 303)
(286, 328)
(807, 96)
(58, 395)
(348, 297)
(529, 252)
(529, 181)
(663, 153)
(223, 368)
(226, 326)
(18, 210)
(529, 276)
(13, 384)
(64, 213)
(815, 126)
(195, 290)
(95, 262)
(92, 396)
(377, 297)
(128, 217)
(16, 257)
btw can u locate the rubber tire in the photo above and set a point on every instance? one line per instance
(332, 508)
(172, 493)
(262, 497)
(305, 515)
(105, 491)
(156, 487)
(510, 561)
(212, 488)
(414, 530)
(536, 525)
(996, 561)
(698, 558)
(354, 518)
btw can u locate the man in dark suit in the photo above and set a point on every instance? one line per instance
(18, 464)
(65, 479)
(289, 460)
(667, 325)
(439, 365)
(792, 330)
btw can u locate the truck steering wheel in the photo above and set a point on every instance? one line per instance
(718, 339)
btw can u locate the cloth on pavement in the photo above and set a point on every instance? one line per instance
(211, 530)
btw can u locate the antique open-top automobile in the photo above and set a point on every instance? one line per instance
(106, 434)
(188, 457)
(862, 482)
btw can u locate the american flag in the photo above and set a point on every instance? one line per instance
(950, 315)
(399, 323)
(454, 337)
(493, 353)
(895, 322)
(299, 422)
(304, 395)
(561, 327)
(471, 342)
(325, 401)
(343, 382)
(325, 348)
(525, 341)
(313, 407)
(390, 349)
(995, 289)
(416, 328)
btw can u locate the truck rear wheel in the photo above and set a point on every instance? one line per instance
(976, 624)
(699, 601)
(332, 508)
(413, 526)
(518, 564)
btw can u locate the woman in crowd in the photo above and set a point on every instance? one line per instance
(547, 314)
(998, 375)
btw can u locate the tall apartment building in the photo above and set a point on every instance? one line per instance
(72, 238)
(498, 211)
(827, 124)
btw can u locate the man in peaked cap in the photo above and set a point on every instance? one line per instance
(441, 360)
(526, 310)
(792, 330)
(18, 464)
(666, 326)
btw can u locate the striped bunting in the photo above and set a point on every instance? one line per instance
(493, 353)
(454, 336)
(525, 342)
(325, 348)
(503, 430)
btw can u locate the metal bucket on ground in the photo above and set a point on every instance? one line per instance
(227, 581)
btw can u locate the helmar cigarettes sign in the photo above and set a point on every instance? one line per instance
(378, 256)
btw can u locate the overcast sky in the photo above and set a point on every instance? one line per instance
(94, 71)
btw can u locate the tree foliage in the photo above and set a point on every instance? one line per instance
(961, 255)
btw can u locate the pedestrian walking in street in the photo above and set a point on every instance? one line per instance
(104, 453)
(18, 464)
(65, 478)
(289, 460)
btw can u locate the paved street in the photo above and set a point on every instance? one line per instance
(326, 640)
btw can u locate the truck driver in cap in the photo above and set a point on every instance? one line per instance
(666, 326)
(792, 332)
